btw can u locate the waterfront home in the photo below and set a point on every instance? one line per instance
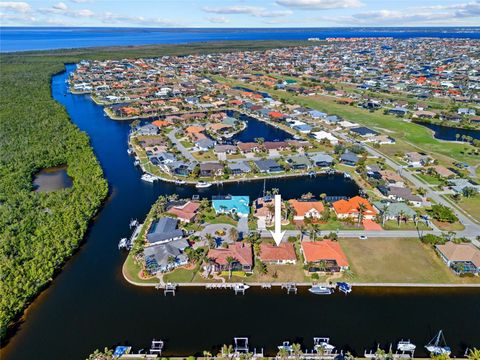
(268, 166)
(248, 147)
(466, 111)
(401, 194)
(394, 210)
(317, 114)
(240, 253)
(306, 209)
(303, 128)
(146, 130)
(282, 254)
(349, 158)
(179, 168)
(165, 257)
(322, 160)
(325, 255)
(323, 135)
(276, 145)
(163, 230)
(299, 162)
(239, 167)
(460, 258)
(211, 169)
(185, 212)
(232, 205)
(351, 208)
(263, 211)
(364, 131)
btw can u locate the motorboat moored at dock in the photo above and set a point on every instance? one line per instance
(149, 178)
(202, 185)
(406, 346)
(344, 287)
(320, 290)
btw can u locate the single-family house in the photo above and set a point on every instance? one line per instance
(394, 210)
(349, 158)
(322, 160)
(211, 169)
(239, 167)
(306, 209)
(185, 212)
(165, 257)
(461, 258)
(280, 255)
(299, 162)
(268, 166)
(351, 208)
(240, 252)
(325, 255)
(163, 230)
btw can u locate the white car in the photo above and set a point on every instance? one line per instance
(363, 237)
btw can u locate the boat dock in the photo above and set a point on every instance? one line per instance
(291, 288)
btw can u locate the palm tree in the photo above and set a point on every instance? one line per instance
(275, 191)
(209, 238)
(230, 261)
(173, 197)
(233, 234)
(297, 351)
(207, 354)
(400, 216)
(384, 213)
(474, 354)
(361, 210)
(283, 354)
(227, 351)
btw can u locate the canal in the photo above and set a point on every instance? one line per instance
(89, 305)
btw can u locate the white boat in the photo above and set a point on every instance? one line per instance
(241, 287)
(320, 290)
(133, 223)
(438, 346)
(129, 151)
(148, 178)
(406, 345)
(322, 344)
(180, 182)
(202, 185)
(136, 163)
(344, 287)
(123, 244)
(285, 346)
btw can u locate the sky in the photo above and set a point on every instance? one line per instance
(240, 13)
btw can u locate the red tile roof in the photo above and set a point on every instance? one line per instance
(285, 251)
(351, 206)
(324, 250)
(240, 251)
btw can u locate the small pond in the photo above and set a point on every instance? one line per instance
(51, 179)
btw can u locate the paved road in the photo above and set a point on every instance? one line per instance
(179, 146)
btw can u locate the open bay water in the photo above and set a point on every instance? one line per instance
(48, 38)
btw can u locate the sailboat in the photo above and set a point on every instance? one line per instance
(438, 346)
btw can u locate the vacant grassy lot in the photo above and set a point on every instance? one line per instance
(471, 205)
(403, 260)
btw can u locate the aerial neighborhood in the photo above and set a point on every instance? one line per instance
(208, 120)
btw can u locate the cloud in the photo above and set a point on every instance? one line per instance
(62, 9)
(112, 18)
(218, 19)
(81, 1)
(249, 10)
(320, 4)
(14, 6)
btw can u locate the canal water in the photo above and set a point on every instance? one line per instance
(450, 134)
(89, 305)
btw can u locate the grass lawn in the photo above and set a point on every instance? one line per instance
(471, 205)
(430, 179)
(404, 260)
(221, 219)
(180, 275)
(131, 271)
(410, 225)
(187, 144)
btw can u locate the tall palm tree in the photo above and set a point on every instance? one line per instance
(275, 191)
(209, 238)
(384, 213)
(361, 210)
(230, 261)
(207, 354)
(400, 216)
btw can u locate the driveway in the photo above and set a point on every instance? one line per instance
(213, 228)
